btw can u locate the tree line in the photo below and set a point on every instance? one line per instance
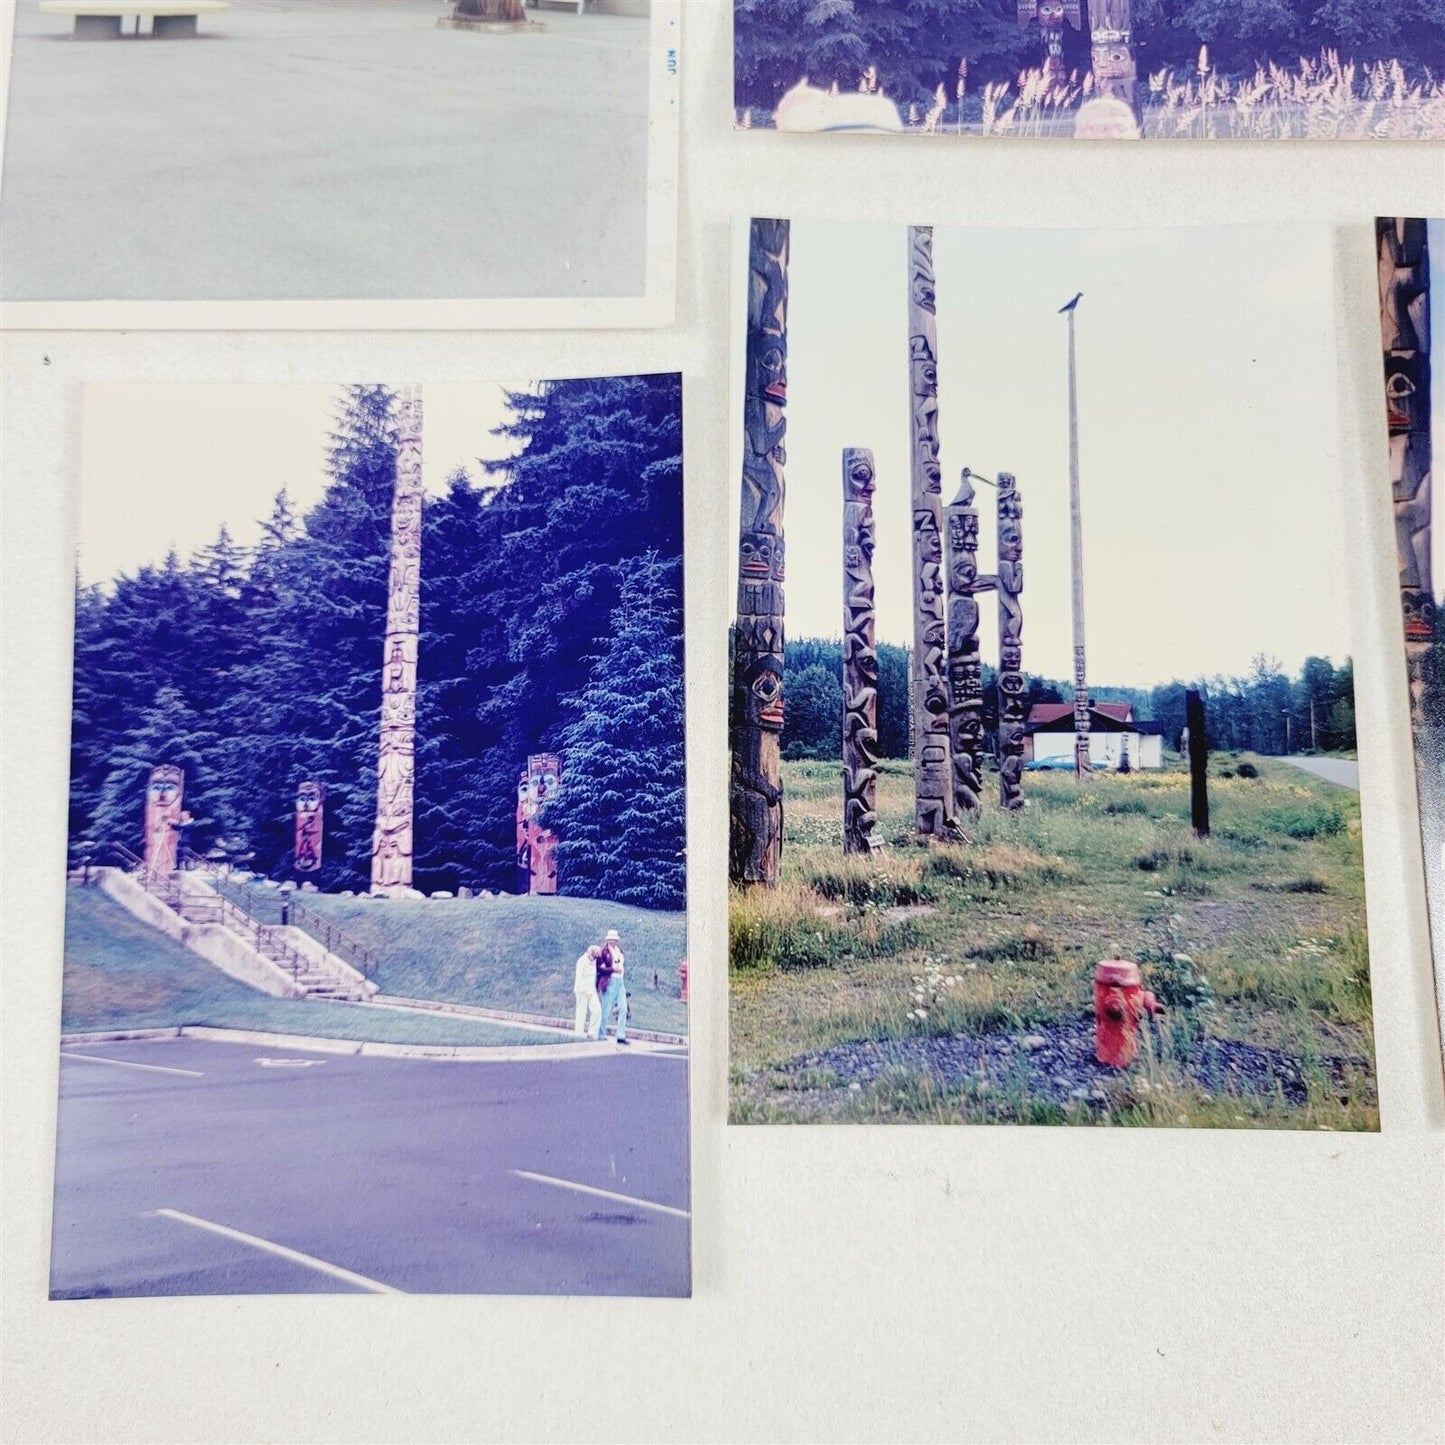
(551, 620)
(1264, 711)
(918, 45)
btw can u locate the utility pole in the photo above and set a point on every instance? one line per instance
(1076, 556)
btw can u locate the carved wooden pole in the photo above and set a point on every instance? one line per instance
(860, 656)
(391, 848)
(1010, 644)
(756, 833)
(1404, 258)
(164, 793)
(1111, 36)
(1051, 15)
(1082, 761)
(965, 673)
(310, 823)
(933, 775)
(1198, 761)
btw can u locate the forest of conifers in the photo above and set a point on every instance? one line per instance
(917, 45)
(1243, 712)
(551, 619)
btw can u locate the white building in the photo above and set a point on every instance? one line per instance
(1113, 735)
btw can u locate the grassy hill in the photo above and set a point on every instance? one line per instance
(954, 982)
(120, 974)
(505, 952)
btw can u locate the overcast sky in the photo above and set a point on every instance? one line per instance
(164, 466)
(1208, 447)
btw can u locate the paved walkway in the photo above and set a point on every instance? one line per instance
(1343, 771)
(343, 149)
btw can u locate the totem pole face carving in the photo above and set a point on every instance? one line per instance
(860, 656)
(1010, 637)
(306, 849)
(163, 817)
(1112, 47)
(757, 711)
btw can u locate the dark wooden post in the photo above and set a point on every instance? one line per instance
(756, 841)
(1198, 762)
(932, 773)
(965, 674)
(1405, 332)
(860, 656)
(1010, 583)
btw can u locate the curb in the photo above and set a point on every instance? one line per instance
(520, 1020)
(118, 1036)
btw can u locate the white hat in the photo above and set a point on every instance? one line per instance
(613, 936)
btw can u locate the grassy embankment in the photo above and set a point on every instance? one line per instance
(1254, 937)
(505, 952)
(120, 974)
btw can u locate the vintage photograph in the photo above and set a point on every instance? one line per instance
(343, 150)
(375, 971)
(1411, 255)
(1094, 69)
(1044, 796)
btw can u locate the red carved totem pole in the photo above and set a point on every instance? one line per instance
(933, 774)
(1111, 37)
(391, 848)
(544, 782)
(1404, 260)
(306, 849)
(756, 803)
(163, 819)
(860, 656)
(1051, 15)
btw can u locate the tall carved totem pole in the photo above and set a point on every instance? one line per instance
(164, 792)
(933, 775)
(1111, 38)
(756, 805)
(391, 848)
(1082, 758)
(1404, 260)
(860, 656)
(965, 670)
(1051, 15)
(1010, 644)
(310, 821)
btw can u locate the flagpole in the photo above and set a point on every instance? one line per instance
(1081, 687)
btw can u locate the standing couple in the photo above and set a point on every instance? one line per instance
(599, 989)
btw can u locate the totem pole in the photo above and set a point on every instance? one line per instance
(1404, 260)
(1010, 645)
(756, 841)
(1051, 15)
(1111, 35)
(391, 847)
(163, 819)
(933, 780)
(860, 656)
(965, 672)
(488, 15)
(1082, 760)
(544, 781)
(306, 850)
(526, 811)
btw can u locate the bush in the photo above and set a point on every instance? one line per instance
(1033, 945)
(1247, 770)
(1178, 982)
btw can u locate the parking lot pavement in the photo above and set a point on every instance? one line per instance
(346, 150)
(192, 1167)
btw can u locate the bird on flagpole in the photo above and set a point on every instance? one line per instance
(1069, 305)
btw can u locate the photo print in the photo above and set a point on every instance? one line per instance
(1093, 69)
(375, 968)
(1411, 253)
(1044, 801)
(286, 162)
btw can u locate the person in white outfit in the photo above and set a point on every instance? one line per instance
(584, 989)
(615, 996)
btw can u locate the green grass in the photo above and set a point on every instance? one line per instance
(1256, 933)
(506, 952)
(121, 974)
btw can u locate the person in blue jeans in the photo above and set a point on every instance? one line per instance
(614, 995)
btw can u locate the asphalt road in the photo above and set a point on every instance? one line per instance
(1343, 771)
(338, 150)
(382, 1174)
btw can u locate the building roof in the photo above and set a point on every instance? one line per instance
(1106, 717)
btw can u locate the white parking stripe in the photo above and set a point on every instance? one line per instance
(126, 1064)
(295, 1255)
(601, 1193)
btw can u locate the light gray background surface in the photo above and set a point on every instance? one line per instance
(851, 1283)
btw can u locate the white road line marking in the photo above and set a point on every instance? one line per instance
(601, 1193)
(289, 1063)
(126, 1064)
(320, 1265)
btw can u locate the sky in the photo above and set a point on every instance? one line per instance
(1209, 460)
(165, 466)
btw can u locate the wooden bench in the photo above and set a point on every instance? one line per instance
(101, 19)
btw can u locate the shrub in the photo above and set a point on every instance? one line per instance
(1178, 982)
(1247, 770)
(1033, 945)
(1126, 805)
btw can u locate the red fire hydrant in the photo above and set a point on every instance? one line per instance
(1120, 1001)
(682, 980)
